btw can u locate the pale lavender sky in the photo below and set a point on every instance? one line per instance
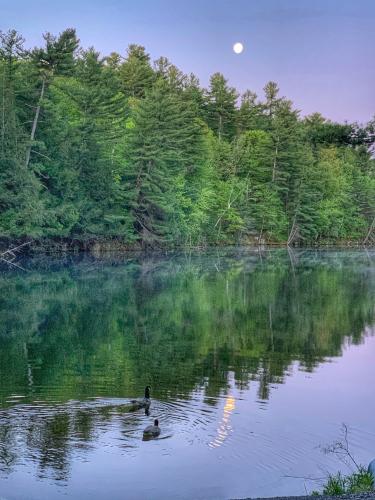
(321, 52)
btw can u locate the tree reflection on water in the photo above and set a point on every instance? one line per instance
(76, 330)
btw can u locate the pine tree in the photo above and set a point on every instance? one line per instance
(221, 107)
(87, 153)
(262, 208)
(57, 57)
(271, 91)
(194, 95)
(163, 146)
(250, 115)
(21, 209)
(174, 77)
(136, 73)
(12, 53)
(322, 132)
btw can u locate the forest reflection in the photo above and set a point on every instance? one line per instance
(85, 328)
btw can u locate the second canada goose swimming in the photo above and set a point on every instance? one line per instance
(152, 430)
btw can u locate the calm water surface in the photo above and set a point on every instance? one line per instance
(255, 359)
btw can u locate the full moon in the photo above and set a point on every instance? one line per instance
(238, 48)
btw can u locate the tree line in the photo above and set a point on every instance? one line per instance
(123, 148)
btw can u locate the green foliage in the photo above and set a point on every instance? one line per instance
(221, 107)
(109, 147)
(164, 147)
(250, 113)
(320, 131)
(358, 482)
(135, 73)
(57, 57)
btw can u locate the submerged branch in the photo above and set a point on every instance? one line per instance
(10, 252)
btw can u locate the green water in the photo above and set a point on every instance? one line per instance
(254, 359)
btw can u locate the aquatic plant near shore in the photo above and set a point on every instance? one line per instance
(338, 484)
(359, 481)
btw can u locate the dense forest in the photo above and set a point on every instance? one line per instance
(121, 148)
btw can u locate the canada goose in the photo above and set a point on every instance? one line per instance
(152, 430)
(145, 402)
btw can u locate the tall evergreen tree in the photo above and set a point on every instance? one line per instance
(57, 57)
(194, 95)
(21, 202)
(90, 148)
(271, 91)
(11, 53)
(221, 107)
(174, 77)
(136, 73)
(250, 114)
(164, 145)
(262, 208)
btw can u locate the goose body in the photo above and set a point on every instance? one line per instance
(152, 430)
(145, 402)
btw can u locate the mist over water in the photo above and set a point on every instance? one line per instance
(255, 358)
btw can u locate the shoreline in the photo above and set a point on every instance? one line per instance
(352, 496)
(57, 246)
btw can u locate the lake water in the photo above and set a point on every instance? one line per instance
(255, 359)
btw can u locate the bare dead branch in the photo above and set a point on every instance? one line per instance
(369, 233)
(15, 249)
(341, 449)
(11, 263)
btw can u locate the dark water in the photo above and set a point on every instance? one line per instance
(254, 358)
